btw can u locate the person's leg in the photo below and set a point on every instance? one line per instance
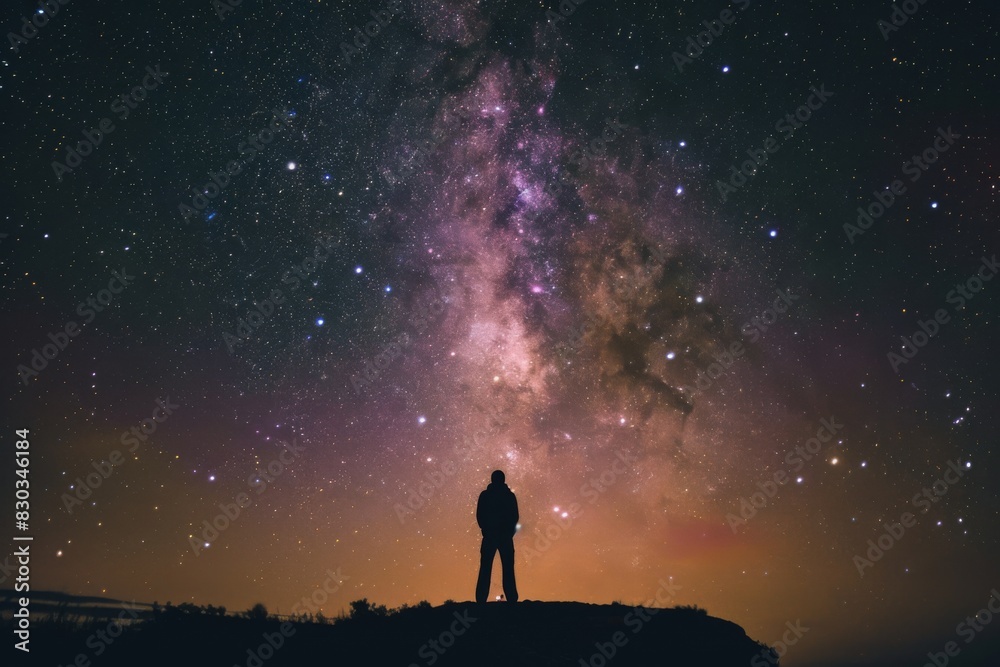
(507, 563)
(486, 553)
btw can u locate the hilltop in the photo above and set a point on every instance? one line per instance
(455, 633)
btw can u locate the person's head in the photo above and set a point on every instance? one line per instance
(497, 477)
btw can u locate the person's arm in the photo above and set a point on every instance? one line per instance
(517, 516)
(479, 512)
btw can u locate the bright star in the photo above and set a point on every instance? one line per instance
(291, 166)
(320, 321)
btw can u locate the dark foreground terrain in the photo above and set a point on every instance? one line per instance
(527, 633)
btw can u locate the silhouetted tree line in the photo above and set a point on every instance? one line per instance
(360, 610)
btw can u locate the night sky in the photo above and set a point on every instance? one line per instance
(491, 237)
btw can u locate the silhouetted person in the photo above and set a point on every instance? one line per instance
(496, 514)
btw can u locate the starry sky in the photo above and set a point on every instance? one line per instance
(504, 235)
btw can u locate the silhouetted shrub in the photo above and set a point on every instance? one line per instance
(363, 609)
(258, 612)
(693, 608)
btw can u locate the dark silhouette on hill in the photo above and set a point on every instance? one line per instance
(530, 633)
(497, 516)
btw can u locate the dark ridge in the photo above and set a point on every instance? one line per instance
(463, 634)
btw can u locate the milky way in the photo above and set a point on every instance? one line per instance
(487, 238)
